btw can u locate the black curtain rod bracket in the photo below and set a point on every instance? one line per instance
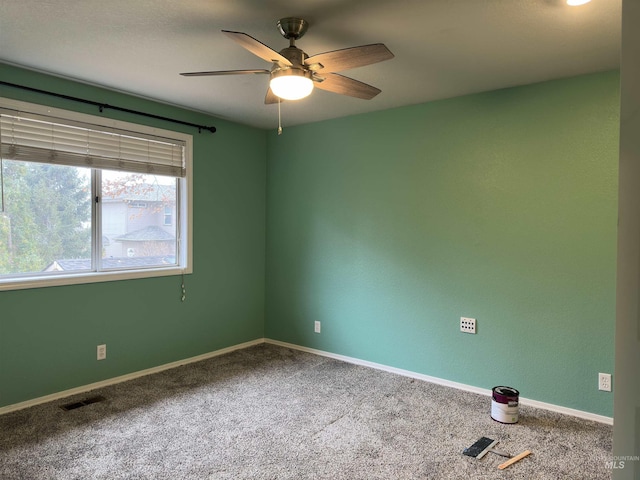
(104, 106)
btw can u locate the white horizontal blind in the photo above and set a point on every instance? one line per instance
(38, 138)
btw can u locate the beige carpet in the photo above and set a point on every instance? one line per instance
(268, 412)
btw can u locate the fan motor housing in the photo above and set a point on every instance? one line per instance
(294, 55)
(290, 71)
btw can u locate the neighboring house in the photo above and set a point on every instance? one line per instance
(139, 229)
(140, 221)
(147, 241)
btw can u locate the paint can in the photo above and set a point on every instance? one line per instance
(504, 404)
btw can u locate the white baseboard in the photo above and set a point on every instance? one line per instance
(447, 383)
(356, 361)
(124, 378)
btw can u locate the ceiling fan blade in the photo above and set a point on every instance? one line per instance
(257, 48)
(223, 72)
(347, 58)
(336, 83)
(271, 97)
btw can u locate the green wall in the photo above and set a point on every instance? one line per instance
(48, 336)
(388, 227)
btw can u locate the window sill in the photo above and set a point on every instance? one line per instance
(90, 277)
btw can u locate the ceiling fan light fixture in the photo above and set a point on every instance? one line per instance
(575, 3)
(291, 83)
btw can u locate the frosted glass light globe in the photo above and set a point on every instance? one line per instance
(291, 87)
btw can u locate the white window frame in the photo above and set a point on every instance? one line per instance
(184, 216)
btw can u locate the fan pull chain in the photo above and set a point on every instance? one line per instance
(279, 119)
(184, 290)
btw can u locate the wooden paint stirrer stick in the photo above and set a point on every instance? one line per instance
(513, 460)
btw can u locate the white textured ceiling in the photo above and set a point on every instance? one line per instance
(443, 48)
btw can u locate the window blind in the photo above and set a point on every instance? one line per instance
(38, 138)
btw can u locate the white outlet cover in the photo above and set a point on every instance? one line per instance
(604, 382)
(101, 352)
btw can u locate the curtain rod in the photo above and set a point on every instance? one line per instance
(103, 106)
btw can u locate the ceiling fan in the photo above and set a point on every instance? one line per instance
(294, 73)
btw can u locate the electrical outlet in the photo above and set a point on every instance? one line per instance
(102, 352)
(604, 382)
(316, 326)
(467, 325)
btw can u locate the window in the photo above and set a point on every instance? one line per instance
(85, 199)
(168, 215)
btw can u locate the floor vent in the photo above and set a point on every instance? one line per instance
(82, 403)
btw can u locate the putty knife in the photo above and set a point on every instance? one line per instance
(482, 447)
